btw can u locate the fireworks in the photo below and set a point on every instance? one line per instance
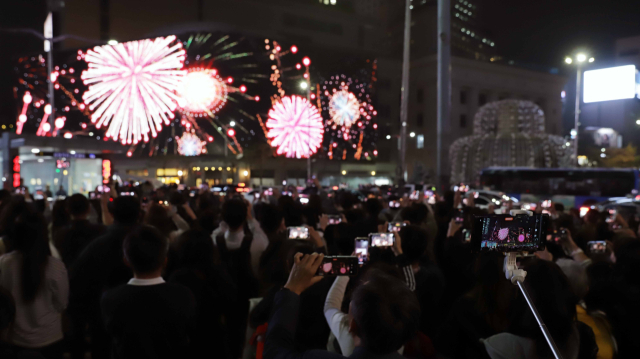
(295, 127)
(202, 92)
(132, 85)
(344, 108)
(190, 145)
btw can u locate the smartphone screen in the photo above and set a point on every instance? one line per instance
(546, 204)
(414, 195)
(394, 204)
(304, 200)
(338, 266)
(505, 233)
(395, 226)
(597, 247)
(458, 216)
(298, 232)
(466, 234)
(333, 219)
(381, 239)
(362, 250)
(612, 216)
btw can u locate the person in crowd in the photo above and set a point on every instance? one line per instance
(384, 314)
(166, 219)
(551, 294)
(61, 191)
(198, 268)
(147, 317)
(73, 238)
(100, 267)
(37, 282)
(59, 217)
(272, 222)
(47, 191)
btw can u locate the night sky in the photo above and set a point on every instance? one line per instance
(543, 32)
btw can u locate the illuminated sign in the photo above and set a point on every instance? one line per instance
(614, 83)
(106, 171)
(16, 171)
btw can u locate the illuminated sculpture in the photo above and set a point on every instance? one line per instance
(508, 133)
(202, 92)
(344, 108)
(132, 86)
(190, 145)
(295, 127)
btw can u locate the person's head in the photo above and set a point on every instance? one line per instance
(158, 217)
(592, 217)
(30, 240)
(559, 207)
(384, 313)
(373, 206)
(78, 206)
(145, 250)
(577, 275)
(234, 213)
(195, 249)
(551, 293)
(271, 219)
(414, 242)
(61, 188)
(125, 210)
(628, 261)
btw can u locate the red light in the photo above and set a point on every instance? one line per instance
(375, 152)
(241, 184)
(84, 125)
(243, 88)
(298, 66)
(129, 154)
(230, 79)
(231, 132)
(68, 135)
(210, 139)
(306, 61)
(306, 75)
(294, 49)
(313, 96)
(257, 98)
(335, 144)
(375, 125)
(278, 48)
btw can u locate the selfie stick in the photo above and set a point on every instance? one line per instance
(516, 276)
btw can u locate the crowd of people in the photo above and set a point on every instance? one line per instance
(169, 273)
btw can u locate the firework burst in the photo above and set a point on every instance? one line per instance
(132, 85)
(190, 144)
(295, 127)
(344, 108)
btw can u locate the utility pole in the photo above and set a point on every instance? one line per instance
(404, 94)
(48, 48)
(444, 79)
(577, 114)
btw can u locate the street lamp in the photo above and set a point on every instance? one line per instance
(580, 58)
(306, 85)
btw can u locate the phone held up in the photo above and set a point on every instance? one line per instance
(362, 250)
(597, 247)
(333, 219)
(395, 226)
(338, 266)
(506, 233)
(381, 239)
(298, 232)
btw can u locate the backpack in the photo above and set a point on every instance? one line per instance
(237, 262)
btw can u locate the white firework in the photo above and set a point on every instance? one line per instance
(132, 86)
(344, 108)
(190, 145)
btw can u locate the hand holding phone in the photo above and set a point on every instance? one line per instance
(298, 232)
(338, 266)
(394, 227)
(597, 247)
(362, 250)
(381, 239)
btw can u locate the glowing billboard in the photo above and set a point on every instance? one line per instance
(614, 83)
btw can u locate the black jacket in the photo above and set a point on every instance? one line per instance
(72, 239)
(280, 343)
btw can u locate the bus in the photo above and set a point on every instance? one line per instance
(569, 186)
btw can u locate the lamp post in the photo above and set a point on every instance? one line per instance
(579, 60)
(307, 85)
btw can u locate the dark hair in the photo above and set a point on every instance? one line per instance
(551, 293)
(373, 206)
(414, 242)
(195, 249)
(7, 309)
(157, 217)
(146, 249)
(234, 212)
(415, 214)
(386, 313)
(558, 207)
(126, 210)
(291, 211)
(270, 218)
(78, 205)
(59, 214)
(30, 239)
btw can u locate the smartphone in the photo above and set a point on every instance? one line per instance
(362, 250)
(256, 195)
(458, 216)
(414, 195)
(333, 219)
(395, 226)
(612, 216)
(304, 200)
(583, 211)
(126, 194)
(466, 234)
(286, 193)
(92, 195)
(381, 239)
(298, 232)
(394, 204)
(505, 233)
(546, 204)
(338, 266)
(597, 247)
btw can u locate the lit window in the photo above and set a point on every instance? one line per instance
(420, 141)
